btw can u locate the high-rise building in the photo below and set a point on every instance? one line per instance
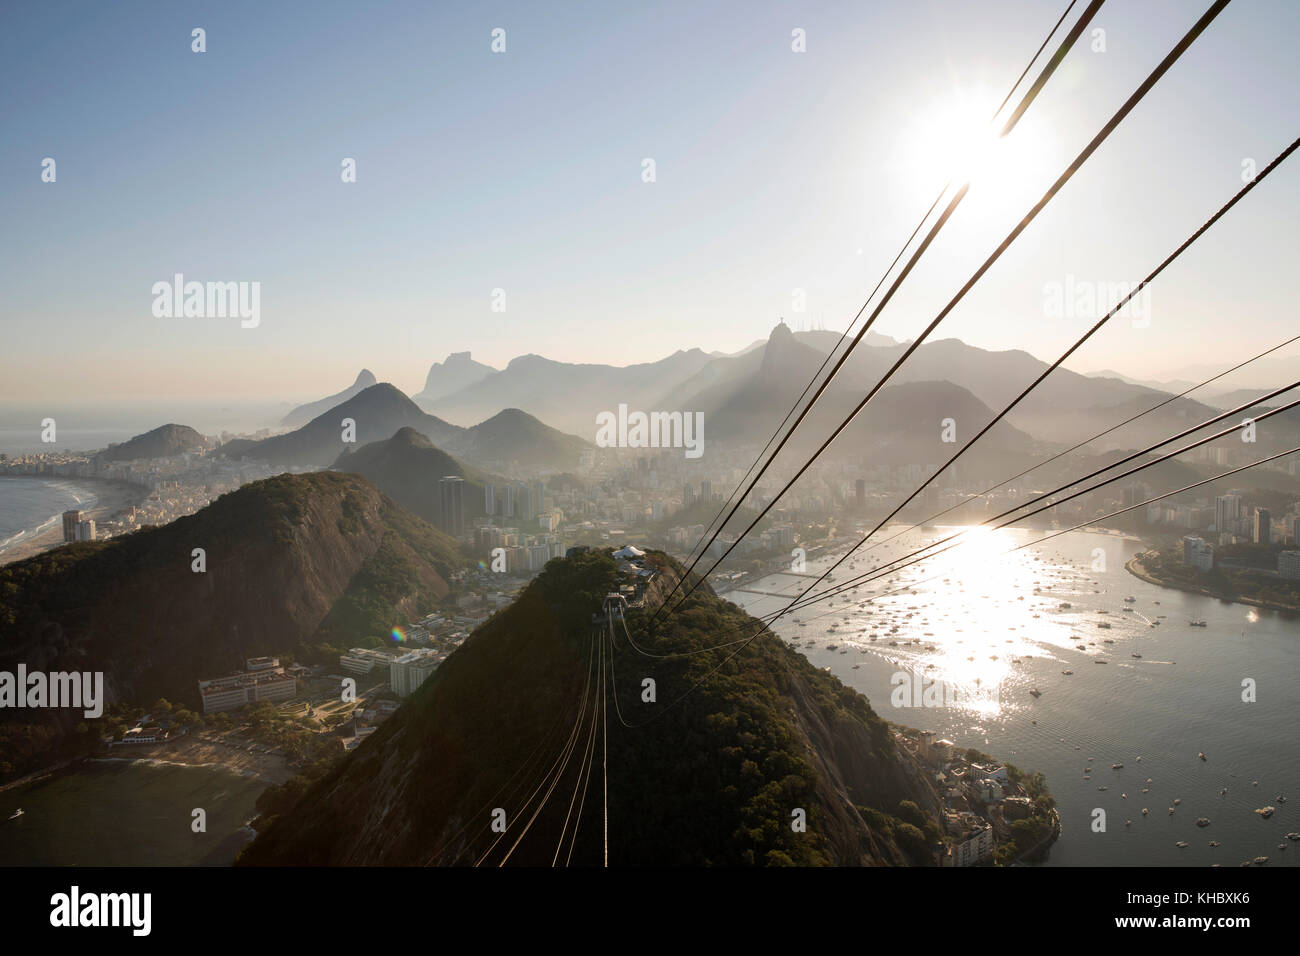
(524, 503)
(706, 490)
(860, 494)
(1136, 493)
(1288, 565)
(86, 530)
(1197, 553)
(1263, 530)
(70, 521)
(490, 499)
(1227, 508)
(508, 501)
(688, 495)
(451, 500)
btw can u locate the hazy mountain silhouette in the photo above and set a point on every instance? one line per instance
(457, 372)
(564, 395)
(305, 413)
(378, 411)
(163, 442)
(407, 468)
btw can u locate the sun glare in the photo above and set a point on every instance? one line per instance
(954, 140)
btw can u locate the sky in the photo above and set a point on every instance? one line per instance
(775, 171)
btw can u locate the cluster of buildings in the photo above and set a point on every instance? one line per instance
(170, 488)
(1225, 520)
(423, 646)
(524, 553)
(406, 670)
(968, 787)
(76, 528)
(1233, 523)
(262, 679)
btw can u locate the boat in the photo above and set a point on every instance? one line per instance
(1135, 655)
(1197, 623)
(1265, 812)
(1201, 754)
(1035, 692)
(16, 814)
(1181, 844)
(1130, 600)
(1117, 766)
(1105, 624)
(1202, 821)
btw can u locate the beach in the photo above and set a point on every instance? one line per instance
(202, 750)
(110, 498)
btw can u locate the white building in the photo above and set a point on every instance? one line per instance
(408, 672)
(362, 660)
(1198, 553)
(238, 690)
(970, 846)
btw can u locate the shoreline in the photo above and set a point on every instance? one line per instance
(1135, 567)
(188, 751)
(196, 751)
(111, 498)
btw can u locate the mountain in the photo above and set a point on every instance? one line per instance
(444, 378)
(378, 412)
(305, 413)
(745, 400)
(512, 440)
(712, 778)
(163, 442)
(407, 468)
(297, 564)
(1173, 387)
(745, 397)
(564, 395)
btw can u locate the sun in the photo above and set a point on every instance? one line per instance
(956, 139)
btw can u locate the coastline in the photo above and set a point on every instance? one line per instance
(111, 496)
(196, 751)
(1135, 567)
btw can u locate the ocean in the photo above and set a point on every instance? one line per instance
(31, 506)
(986, 637)
(128, 813)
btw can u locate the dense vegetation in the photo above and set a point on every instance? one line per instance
(296, 565)
(709, 776)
